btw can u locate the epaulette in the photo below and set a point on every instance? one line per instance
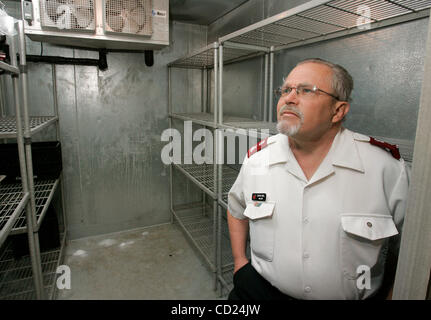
(392, 148)
(262, 144)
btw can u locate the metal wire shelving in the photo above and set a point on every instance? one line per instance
(44, 191)
(11, 207)
(16, 280)
(24, 204)
(197, 222)
(204, 57)
(202, 176)
(7, 68)
(232, 122)
(249, 126)
(320, 20)
(8, 125)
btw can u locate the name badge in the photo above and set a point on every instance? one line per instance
(258, 197)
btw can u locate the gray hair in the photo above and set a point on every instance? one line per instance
(342, 81)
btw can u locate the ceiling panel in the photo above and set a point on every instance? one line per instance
(202, 12)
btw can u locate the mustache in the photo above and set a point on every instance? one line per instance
(292, 109)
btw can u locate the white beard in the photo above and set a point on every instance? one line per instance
(284, 127)
(289, 130)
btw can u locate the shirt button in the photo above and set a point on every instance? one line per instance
(307, 289)
(306, 255)
(305, 220)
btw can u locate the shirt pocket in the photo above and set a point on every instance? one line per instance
(362, 238)
(261, 228)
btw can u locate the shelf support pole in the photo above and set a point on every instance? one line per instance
(220, 90)
(27, 179)
(216, 141)
(265, 90)
(271, 83)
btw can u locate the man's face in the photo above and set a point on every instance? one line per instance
(316, 110)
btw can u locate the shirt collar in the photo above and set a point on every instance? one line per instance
(280, 150)
(344, 151)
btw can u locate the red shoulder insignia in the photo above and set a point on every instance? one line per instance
(392, 148)
(262, 144)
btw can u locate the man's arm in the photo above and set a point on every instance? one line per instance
(238, 231)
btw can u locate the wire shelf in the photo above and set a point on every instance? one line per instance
(199, 228)
(16, 277)
(8, 68)
(252, 125)
(203, 176)
(318, 18)
(229, 122)
(43, 192)
(11, 204)
(202, 118)
(204, 58)
(8, 125)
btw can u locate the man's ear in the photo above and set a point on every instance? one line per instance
(340, 109)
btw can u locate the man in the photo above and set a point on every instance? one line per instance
(323, 204)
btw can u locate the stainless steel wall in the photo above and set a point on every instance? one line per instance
(110, 124)
(386, 64)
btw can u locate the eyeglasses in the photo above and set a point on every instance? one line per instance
(305, 91)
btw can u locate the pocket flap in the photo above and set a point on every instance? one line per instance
(259, 210)
(369, 226)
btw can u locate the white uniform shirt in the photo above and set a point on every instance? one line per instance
(309, 237)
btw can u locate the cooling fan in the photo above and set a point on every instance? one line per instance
(129, 17)
(68, 14)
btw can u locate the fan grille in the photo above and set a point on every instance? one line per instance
(68, 14)
(129, 16)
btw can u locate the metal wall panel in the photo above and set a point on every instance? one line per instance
(243, 89)
(119, 117)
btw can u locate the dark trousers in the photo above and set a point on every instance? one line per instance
(250, 285)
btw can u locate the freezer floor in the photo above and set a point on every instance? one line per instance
(149, 263)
